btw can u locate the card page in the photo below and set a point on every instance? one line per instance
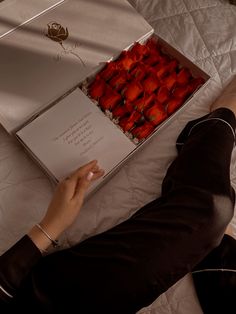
(72, 133)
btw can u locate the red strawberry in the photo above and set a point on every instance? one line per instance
(97, 88)
(151, 43)
(172, 65)
(142, 103)
(184, 76)
(181, 92)
(139, 72)
(153, 58)
(156, 114)
(133, 90)
(122, 110)
(126, 60)
(163, 95)
(140, 51)
(128, 123)
(150, 84)
(109, 71)
(174, 104)
(169, 81)
(167, 68)
(129, 106)
(110, 99)
(143, 131)
(164, 59)
(119, 80)
(162, 71)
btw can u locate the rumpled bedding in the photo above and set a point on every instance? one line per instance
(205, 32)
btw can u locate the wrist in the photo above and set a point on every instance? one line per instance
(43, 236)
(39, 239)
(52, 228)
(47, 235)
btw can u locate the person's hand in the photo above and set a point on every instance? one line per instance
(65, 204)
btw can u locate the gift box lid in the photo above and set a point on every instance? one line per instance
(42, 59)
(14, 13)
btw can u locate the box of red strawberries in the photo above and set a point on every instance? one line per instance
(144, 87)
(114, 111)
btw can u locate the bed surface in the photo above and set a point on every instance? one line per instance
(204, 31)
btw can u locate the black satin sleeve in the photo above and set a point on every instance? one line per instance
(15, 265)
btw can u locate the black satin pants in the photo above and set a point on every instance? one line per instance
(128, 267)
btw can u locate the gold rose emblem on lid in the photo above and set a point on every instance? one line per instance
(58, 33)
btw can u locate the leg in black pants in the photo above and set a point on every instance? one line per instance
(129, 266)
(215, 278)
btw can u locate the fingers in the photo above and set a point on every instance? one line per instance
(81, 179)
(82, 171)
(85, 182)
(96, 173)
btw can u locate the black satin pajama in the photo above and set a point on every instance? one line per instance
(130, 265)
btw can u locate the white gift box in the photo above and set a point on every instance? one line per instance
(36, 70)
(45, 61)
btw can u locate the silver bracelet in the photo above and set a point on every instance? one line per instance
(55, 243)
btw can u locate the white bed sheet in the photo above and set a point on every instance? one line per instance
(203, 30)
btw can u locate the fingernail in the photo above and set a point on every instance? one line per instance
(89, 176)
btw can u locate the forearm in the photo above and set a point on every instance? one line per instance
(18, 261)
(15, 265)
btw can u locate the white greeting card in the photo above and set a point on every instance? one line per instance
(72, 133)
